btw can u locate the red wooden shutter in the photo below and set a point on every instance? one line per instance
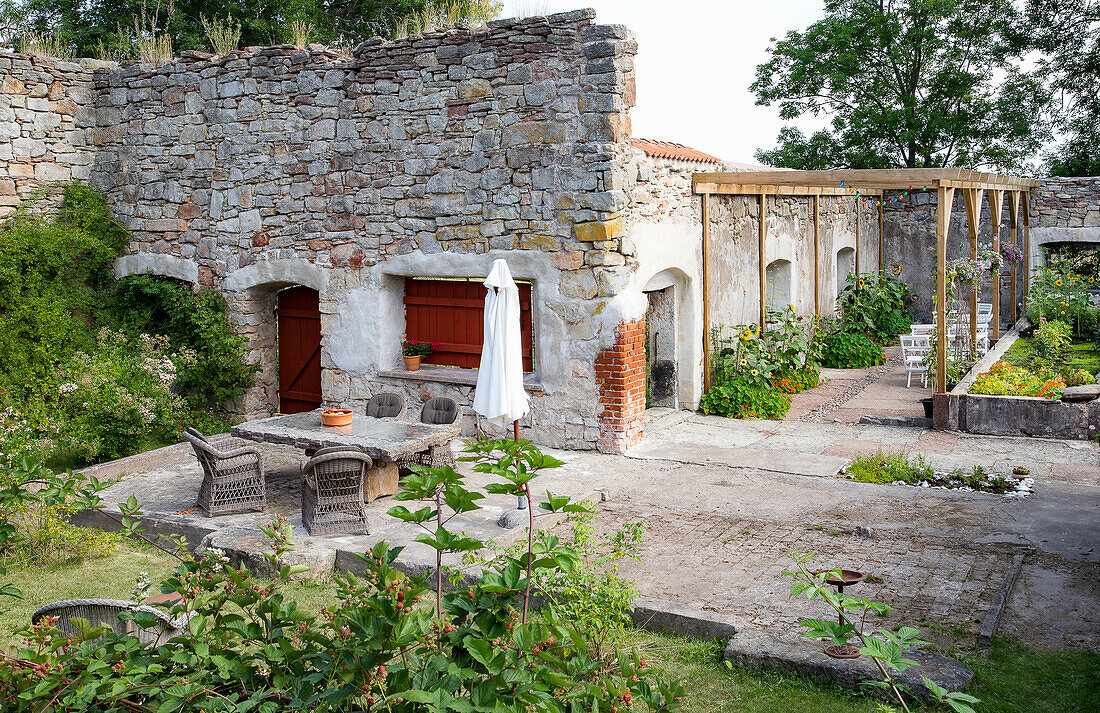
(451, 312)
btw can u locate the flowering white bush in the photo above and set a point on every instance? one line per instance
(120, 397)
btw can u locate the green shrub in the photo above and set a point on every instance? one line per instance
(753, 356)
(850, 350)
(53, 275)
(885, 468)
(197, 322)
(739, 398)
(1076, 377)
(875, 303)
(1051, 340)
(117, 399)
(35, 505)
(249, 648)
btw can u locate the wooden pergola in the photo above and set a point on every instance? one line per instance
(872, 182)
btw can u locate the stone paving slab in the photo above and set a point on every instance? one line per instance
(791, 653)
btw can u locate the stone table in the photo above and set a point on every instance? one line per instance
(385, 440)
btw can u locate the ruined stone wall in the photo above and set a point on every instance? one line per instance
(1064, 210)
(1066, 203)
(909, 245)
(423, 157)
(45, 125)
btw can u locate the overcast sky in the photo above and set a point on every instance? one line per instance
(696, 60)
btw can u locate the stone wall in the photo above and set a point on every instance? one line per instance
(46, 123)
(1064, 210)
(423, 157)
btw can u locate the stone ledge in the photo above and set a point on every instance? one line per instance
(793, 653)
(454, 375)
(681, 619)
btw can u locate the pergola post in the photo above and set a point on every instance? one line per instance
(706, 292)
(1026, 248)
(817, 254)
(881, 230)
(944, 197)
(972, 199)
(763, 264)
(858, 200)
(1014, 230)
(996, 203)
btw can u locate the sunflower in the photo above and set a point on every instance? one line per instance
(790, 307)
(744, 362)
(862, 283)
(1058, 283)
(755, 372)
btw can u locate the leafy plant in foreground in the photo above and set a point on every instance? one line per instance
(886, 649)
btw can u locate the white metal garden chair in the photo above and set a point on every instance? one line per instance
(914, 347)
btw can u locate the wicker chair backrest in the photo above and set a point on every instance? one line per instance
(385, 405)
(332, 469)
(104, 612)
(439, 410)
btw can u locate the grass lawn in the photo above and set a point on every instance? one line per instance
(1082, 355)
(1010, 678)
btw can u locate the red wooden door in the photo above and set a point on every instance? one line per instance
(299, 317)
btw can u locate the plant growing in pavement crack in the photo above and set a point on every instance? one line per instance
(887, 650)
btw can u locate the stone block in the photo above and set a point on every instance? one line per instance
(245, 547)
(601, 230)
(380, 480)
(791, 653)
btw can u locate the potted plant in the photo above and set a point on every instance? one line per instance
(414, 351)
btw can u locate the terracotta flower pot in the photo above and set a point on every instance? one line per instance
(412, 363)
(336, 417)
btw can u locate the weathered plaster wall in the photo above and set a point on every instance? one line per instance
(734, 230)
(428, 157)
(664, 236)
(46, 124)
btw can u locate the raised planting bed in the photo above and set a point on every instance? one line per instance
(1005, 415)
(914, 471)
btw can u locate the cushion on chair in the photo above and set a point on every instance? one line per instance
(385, 405)
(439, 410)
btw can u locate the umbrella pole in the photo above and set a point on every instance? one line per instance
(515, 428)
(522, 504)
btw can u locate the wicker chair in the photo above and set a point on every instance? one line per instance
(332, 492)
(233, 475)
(104, 612)
(385, 406)
(438, 410)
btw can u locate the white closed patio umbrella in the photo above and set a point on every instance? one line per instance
(500, 396)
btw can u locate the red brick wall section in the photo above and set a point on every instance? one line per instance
(620, 375)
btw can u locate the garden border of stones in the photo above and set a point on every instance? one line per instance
(1028, 416)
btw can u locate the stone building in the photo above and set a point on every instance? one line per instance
(343, 204)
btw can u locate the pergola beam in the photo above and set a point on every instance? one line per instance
(864, 180)
(972, 197)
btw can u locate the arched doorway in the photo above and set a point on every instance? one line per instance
(779, 279)
(298, 316)
(845, 265)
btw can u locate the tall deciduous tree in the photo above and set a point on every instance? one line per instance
(1066, 34)
(904, 83)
